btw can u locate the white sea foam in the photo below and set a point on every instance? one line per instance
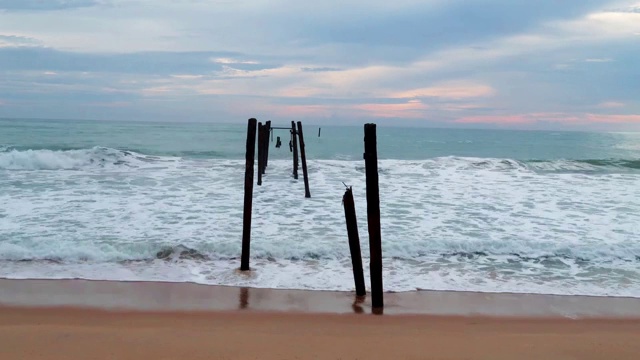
(64, 160)
(448, 223)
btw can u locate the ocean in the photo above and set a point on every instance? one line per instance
(469, 210)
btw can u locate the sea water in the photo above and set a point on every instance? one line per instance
(477, 210)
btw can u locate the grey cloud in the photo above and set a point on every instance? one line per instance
(457, 23)
(42, 5)
(319, 69)
(157, 63)
(314, 43)
(14, 40)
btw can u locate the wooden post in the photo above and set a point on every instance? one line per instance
(354, 241)
(319, 129)
(248, 194)
(260, 152)
(307, 194)
(294, 141)
(266, 145)
(373, 214)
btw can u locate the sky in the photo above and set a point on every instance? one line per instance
(521, 64)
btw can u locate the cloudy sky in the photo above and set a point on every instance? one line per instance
(543, 64)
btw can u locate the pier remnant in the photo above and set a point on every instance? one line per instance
(294, 141)
(266, 145)
(319, 129)
(260, 152)
(354, 241)
(303, 157)
(373, 214)
(248, 194)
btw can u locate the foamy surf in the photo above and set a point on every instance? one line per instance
(449, 223)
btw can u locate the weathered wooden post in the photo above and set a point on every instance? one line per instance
(373, 214)
(294, 141)
(260, 152)
(354, 241)
(319, 129)
(307, 194)
(266, 145)
(248, 194)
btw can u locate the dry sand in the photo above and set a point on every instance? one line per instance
(94, 334)
(86, 320)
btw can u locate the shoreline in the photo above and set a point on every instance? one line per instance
(192, 297)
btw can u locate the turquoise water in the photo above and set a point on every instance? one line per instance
(226, 141)
(481, 210)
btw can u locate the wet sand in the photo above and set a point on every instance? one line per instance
(159, 296)
(76, 319)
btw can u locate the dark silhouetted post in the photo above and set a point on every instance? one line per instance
(260, 152)
(373, 214)
(354, 241)
(319, 129)
(248, 194)
(294, 141)
(266, 145)
(307, 194)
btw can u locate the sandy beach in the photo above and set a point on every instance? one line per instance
(79, 319)
(94, 334)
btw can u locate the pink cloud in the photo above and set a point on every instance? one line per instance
(611, 104)
(488, 119)
(302, 110)
(548, 117)
(455, 90)
(285, 111)
(411, 109)
(614, 119)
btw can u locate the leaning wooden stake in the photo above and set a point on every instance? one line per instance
(266, 145)
(373, 214)
(307, 194)
(248, 194)
(354, 241)
(260, 152)
(294, 141)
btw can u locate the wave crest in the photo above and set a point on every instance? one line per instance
(45, 159)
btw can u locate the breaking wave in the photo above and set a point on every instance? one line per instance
(100, 157)
(72, 159)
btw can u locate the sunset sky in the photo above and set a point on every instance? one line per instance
(543, 64)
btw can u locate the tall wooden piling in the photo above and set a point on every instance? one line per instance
(260, 152)
(307, 193)
(294, 141)
(354, 241)
(266, 145)
(248, 194)
(319, 129)
(373, 214)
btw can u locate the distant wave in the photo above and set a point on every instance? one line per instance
(62, 158)
(545, 166)
(590, 164)
(76, 159)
